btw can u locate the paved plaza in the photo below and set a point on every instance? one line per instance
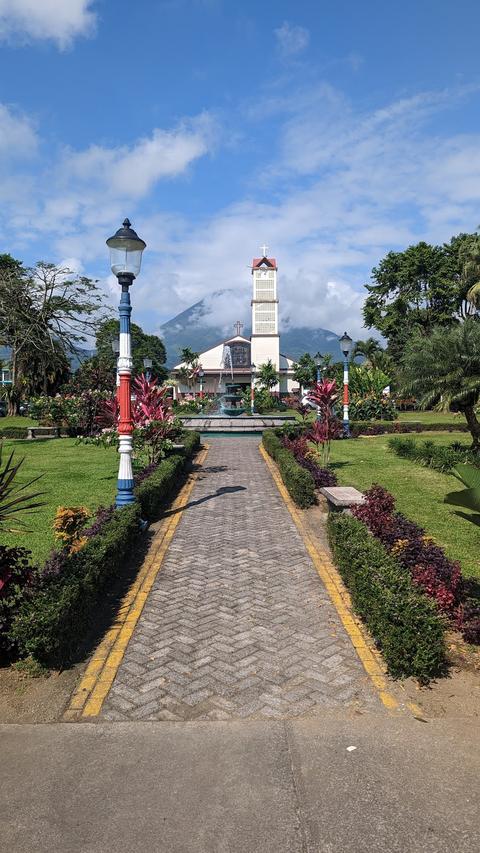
(238, 624)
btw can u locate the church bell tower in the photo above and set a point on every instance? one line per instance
(265, 341)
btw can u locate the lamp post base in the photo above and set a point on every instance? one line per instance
(124, 493)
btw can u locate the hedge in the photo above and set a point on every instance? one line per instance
(298, 481)
(432, 455)
(381, 427)
(53, 621)
(13, 432)
(404, 623)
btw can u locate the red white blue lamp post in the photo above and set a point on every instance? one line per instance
(126, 249)
(252, 388)
(346, 347)
(318, 365)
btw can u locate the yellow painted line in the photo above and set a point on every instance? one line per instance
(98, 678)
(369, 656)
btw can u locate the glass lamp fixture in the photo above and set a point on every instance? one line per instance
(346, 344)
(318, 360)
(116, 346)
(147, 363)
(126, 249)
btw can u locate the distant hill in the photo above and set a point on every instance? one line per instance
(186, 330)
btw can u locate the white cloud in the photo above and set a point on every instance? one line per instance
(58, 20)
(131, 172)
(291, 39)
(18, 137)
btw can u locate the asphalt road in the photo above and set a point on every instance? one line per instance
(241, 787)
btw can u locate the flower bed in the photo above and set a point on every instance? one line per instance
(298, 481)
(426, 562)
(405, 625)
(59, 607)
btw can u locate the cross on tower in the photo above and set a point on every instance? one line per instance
(264, 250)
(238, 326)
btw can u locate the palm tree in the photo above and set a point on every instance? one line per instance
(443, 370)
(369, 349)
(267, 376)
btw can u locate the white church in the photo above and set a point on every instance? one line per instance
(234, 359)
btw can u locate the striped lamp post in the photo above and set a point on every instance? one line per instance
(346, 347)
(318, 365)
(252, 388)
(126, 249)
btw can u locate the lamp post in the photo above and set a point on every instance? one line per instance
(116, 352)
(252, 388)
(346, 347)
(147, 365)
(318, 365)
(201, 374)
(126, 249)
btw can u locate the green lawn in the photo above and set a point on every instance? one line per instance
(72, 475)
(17, 421)
(419, 491)
(432, 417)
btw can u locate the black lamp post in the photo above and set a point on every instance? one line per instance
(147, 364)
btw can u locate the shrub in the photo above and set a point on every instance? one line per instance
(15, 580)
(432, 455)
(68, 526)
(381, 427)
(52, 622)
(426, 562)
(403, 622)
(298, 481)
(372, 407)
(302, 453)
(13, 432)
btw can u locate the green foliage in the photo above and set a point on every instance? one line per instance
(15, 578)
(469, 498)
(143, 346)
(433, 455)
(443, 369)
(298, 481)
(267, 376)
(381, 427)
(305, 370)
(371, 350)
(13, 432)
(13, 500)
(52, 623)
(405, 625)
(76, 412)
(419, 288)
(367, 400)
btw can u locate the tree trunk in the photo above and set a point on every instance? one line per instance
(474, 426)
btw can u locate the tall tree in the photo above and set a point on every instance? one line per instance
(369, 349)
(305, 371)
(143, 346)
(45, 311)
(442, 369)
(421, 287)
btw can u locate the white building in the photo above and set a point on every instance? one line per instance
(230, 360)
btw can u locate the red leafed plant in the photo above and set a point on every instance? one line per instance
(325, 394)
(427, 563)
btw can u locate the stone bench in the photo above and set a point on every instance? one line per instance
(341, 498)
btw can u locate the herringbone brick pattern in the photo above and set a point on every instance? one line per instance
(238, 624)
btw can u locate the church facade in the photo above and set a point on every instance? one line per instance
(234, 359)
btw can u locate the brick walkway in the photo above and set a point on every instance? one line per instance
(238, 624)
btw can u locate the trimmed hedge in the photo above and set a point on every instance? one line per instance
(53, 621)
(13, 432)
(298, 481)
(381, 427)
(404, 623)
(432, 455)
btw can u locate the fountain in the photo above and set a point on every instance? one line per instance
(231, 403)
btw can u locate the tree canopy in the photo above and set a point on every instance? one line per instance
(143, 346)
(420, 288)
(267, 376)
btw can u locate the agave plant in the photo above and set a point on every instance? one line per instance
(469, 475)
(12, 501)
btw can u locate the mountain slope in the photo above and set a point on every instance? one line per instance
(189, 329)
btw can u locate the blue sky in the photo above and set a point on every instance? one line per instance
(334, 131)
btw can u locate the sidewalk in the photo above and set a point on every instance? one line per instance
(237, 624)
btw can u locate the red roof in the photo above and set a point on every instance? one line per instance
(271, 263)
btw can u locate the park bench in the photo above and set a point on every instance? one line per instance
(341, 498)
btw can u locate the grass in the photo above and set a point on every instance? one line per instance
(419, 491)
(431, 417)
(72, 475)
(17, 421)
